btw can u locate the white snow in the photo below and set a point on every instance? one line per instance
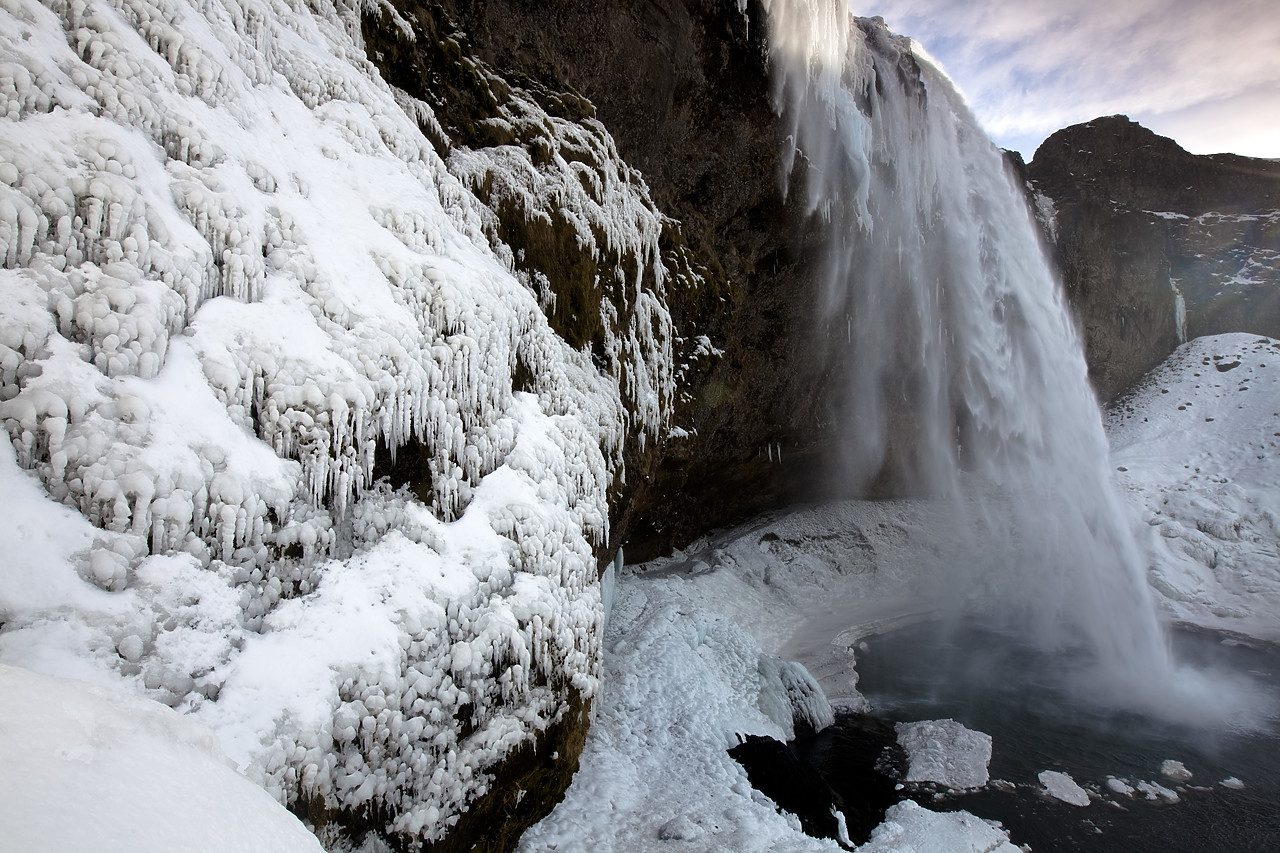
(1233, 783)
(945, 752)
(1195, 448)
(1060, 786)
(86, 768)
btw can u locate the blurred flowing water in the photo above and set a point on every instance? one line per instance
(967, 375)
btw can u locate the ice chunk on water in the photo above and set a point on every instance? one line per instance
(1156, 791)
(1175, 770)
(1062, 787)
(1120, 786)
(909, 826)
(945, 752)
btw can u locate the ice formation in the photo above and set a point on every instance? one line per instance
(236, 279)
(689, 673)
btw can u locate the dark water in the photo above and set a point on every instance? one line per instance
(987, 683)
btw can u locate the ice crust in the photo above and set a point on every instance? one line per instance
(231, 268)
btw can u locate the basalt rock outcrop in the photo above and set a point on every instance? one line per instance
(688, 104)
(1156, 245)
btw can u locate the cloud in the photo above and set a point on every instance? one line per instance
(1030, 67)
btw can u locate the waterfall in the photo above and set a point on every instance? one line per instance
(967, 376)
(1179, 311)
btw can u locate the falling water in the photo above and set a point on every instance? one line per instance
(968, 378)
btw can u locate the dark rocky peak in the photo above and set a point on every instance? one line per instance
(1119, 159)
(1156, 245)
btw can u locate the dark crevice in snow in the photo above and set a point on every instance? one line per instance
(853, 767)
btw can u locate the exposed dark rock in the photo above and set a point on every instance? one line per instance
(1140, 220)
(687, 104)
(776, 771)
(852, 765)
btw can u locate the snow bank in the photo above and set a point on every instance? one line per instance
(92, 769)
(236, 283)
(945, 752)
(1195, 446)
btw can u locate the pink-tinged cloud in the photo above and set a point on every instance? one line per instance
(1205, 73)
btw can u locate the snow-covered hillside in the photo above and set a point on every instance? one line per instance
(237, 283)
(1197, 447)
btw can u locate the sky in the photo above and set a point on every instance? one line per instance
(1206, 74)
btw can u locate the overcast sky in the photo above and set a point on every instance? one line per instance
(1204, 72)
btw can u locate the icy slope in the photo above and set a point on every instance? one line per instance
(236, 282)
(1198, 449)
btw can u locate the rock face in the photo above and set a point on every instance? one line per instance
(1156, 245)
(688, 105)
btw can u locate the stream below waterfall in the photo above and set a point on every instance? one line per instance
(989, 683)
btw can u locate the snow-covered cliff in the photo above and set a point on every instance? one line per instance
(241, 288)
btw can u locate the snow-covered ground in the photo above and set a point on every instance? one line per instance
(1197, 450)
(88, 768)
